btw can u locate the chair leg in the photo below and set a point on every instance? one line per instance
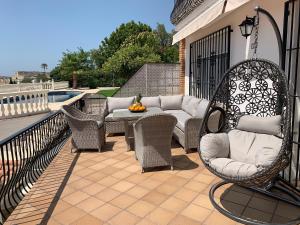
(142, 171)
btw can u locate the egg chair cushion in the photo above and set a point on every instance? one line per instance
(233, 168)
(263, 125)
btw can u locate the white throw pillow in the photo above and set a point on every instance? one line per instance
(263, 125)
(171, 102)
(118, 103)
(190, 105)
(151, 101)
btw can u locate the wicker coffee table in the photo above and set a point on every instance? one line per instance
(129, 118)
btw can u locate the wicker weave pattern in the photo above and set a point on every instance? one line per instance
(88, 131)
(153, 136)
(254, 87)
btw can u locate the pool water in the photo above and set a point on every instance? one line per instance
(61, 96)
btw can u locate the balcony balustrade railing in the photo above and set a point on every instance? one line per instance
(25, 155)
(50, 85)
(17, 104)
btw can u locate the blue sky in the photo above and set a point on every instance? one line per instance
(38, 31)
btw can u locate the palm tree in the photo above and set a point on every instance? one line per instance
(44, 66)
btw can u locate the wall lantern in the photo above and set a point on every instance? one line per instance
(247, 25)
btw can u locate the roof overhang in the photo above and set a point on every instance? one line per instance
(213, 13)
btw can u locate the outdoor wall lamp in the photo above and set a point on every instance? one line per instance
(249, 23)
(246, 26)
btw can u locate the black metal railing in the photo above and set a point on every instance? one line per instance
(26, 154)
(209, 59)
(291, 63)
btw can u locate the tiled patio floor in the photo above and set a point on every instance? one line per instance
(107, 188)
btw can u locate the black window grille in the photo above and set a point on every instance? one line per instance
(209, 59)
(291, 63)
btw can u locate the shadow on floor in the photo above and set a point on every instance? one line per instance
(249, 204)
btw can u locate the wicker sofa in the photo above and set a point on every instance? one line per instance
(188, 110)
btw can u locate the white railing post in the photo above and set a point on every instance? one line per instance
(53, 88)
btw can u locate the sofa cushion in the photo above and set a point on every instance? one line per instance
(171, 102)
(214, 146)
(181, 117)
(189, 104)
(233, 168)
(185, 101)
(118, 103)
(264, 125)
(151, 101)
(201, 108)
(253, 148)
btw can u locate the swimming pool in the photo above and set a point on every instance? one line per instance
(61, 96)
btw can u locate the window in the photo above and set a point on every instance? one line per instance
(209, 59)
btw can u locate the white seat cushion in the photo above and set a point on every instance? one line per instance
(233, 168)
(253, 148)
(181, 117)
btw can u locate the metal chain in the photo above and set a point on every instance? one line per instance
(254, 45)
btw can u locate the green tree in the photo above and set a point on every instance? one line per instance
(129, 59)
(112, 44)
(74, 63)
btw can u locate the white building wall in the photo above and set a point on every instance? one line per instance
(267, 46)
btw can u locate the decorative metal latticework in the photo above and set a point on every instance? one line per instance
(253, 87)
(152, 80)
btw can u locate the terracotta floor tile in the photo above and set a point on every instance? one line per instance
(174, 204)
(138, 192)
(236, 197)
(70, 215)
(137, 178)
(177, 181)
(61, 206)
(88, 220)
(123, 201)
(161, 216)
(167, 189)
(124, 218)
(121, 174)
(196, 212)
(95, 177)
(80, 184)
(183, 220)
(84, 172)
(108, 181)
(203, 200)
(90, 204)
(218, 218)
(287, 210)
(196, 186)
(146, 222)
(155, 197)
(133, 168)
(257, 215)
(110, 161)
(93, 189)
(107, 194)
(185, 194)
(206, 179)
(67, 190)
(123, 186)
(106, 212)
(121, 165)
(109, 170)
(76, 197)
(141, 208)
(97, 167)
(150, 183)
(263, 205)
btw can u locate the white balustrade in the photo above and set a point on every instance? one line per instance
(21, 87)
(24, 103)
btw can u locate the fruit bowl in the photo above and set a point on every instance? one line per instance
(136, 108)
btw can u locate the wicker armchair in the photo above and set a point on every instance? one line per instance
(88, 131)
(153, 137)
